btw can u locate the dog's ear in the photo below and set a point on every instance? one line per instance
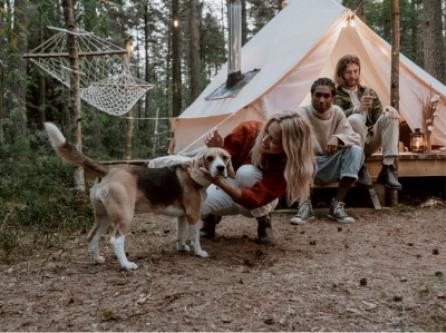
(199, 161)
(230, 168)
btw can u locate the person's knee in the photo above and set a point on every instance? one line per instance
(248, 175)
(386, 121)
(355, 153)
(356, 121)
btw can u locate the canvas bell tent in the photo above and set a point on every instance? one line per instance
(302, 43)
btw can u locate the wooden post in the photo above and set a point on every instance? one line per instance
(395, 77)
(155, 133)
(130, 120)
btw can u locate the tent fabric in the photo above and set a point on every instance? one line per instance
(300, 44)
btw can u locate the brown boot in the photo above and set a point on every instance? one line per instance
(264, 230)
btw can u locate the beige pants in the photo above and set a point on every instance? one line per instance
(385, 134)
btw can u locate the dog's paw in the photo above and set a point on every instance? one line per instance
(183, 247)
(130, 266)
(202, 254)
(98, 260)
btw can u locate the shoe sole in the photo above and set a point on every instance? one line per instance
(303, 221)
(399, 188)
(340, 221)
(391, 187)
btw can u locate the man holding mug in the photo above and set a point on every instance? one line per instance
(377, 126)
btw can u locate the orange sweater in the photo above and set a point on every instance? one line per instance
(273, 185)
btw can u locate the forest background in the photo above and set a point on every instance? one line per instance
(179, 59)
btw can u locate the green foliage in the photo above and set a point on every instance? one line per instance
(35, 196)
(378, 16)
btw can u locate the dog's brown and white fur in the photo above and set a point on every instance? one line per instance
(121, 191)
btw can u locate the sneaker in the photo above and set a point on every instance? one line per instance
(338, 213)
(304, 214)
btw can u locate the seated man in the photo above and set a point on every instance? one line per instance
(337, 150)
(365, 113)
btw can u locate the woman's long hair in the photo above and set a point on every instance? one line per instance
(297, 142)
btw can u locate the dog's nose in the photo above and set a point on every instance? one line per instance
(220, 168)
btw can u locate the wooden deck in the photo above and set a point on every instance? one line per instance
(412, 164)
(409, 164)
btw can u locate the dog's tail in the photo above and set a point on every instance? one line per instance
(70, 153)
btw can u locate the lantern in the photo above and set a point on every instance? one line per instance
(417, 141)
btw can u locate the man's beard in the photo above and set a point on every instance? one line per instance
(351, 83)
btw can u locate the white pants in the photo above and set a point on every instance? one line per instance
(385, 134)
(219, 203)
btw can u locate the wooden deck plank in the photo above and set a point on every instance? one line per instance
(412, 165)
(409, 164)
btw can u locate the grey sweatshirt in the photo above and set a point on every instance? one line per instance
(331, 123)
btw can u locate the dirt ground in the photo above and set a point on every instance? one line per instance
(386, 272)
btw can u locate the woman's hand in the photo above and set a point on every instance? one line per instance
(213, 139)
(234, 192)
(217, 180)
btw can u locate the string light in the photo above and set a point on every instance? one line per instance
(349, 20)
(176, 23)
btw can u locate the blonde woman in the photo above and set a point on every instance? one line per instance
(271, 159)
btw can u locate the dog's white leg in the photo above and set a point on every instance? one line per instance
(182, 234)
(93, 245)
(118, 246)
(194, 237)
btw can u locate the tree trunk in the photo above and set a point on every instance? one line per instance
(395, 76)
(90, 15)
(2, 76)
(146, 56)
(18, 87)
(75, 101)
(194, 50)
(244, 23)
(387, 24)
(360, 9)
(414, 38)
(42, 79)
(395, 72)
(176, 60)
(434, 54)
(2, 113)
(128, 45)
(129, 136)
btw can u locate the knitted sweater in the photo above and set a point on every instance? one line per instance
(273, 185)
(325, 126)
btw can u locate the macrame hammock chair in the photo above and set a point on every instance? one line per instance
(105, 79)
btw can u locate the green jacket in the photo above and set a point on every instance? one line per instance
(342, 99)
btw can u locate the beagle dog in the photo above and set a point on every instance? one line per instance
(123, 190)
